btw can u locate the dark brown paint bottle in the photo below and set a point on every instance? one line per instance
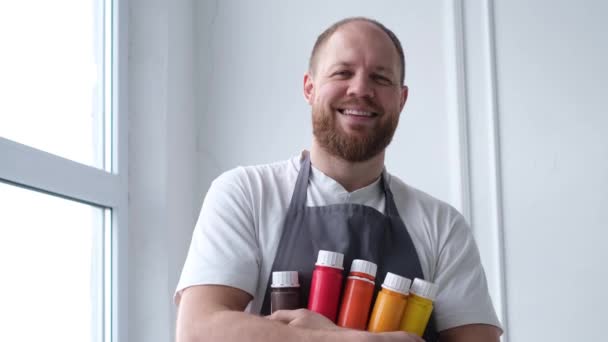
(285, 291)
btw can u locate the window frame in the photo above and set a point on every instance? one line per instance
(30, 168)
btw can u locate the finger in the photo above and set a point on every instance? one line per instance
(415, 338)
(404, 336)
(284, 316)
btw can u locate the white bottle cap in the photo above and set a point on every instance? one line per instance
(364, 266)
(285, 279)
(330, 259)
(424, 289)
(396, 283)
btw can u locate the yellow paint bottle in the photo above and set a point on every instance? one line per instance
(419, 307)
(390, 304)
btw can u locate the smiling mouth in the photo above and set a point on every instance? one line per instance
(359, 113)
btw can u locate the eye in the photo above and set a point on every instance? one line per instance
(341, 73)
(383, 80)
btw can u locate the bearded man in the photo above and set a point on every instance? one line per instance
(337, 197)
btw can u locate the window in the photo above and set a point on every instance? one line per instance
(52, 253)
(63, 170)
(52, 68)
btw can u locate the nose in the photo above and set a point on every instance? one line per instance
(360, 86)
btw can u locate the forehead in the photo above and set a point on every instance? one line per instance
(357, 43)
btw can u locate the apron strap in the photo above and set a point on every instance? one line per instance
(391, 207)
(298, 198)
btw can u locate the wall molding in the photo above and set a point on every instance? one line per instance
(456, 74)
(475, 88)
(496, 161)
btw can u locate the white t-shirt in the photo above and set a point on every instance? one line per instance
(240, 225)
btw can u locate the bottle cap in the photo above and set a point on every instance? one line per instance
(330, 259)
(285, 279)
(424, 289)
(396, 283)
(364, 266)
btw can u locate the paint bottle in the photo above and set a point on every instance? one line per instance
(326, 284)
(285, 292)
(358, 295)
(419, 307)
(390, 304)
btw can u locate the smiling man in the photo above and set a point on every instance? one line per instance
(338, 197)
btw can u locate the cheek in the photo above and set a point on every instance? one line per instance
(390, 101)
(329, 92)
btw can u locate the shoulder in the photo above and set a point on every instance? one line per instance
(434, 225)
(415, 201)
(240, 198)
(255, 185)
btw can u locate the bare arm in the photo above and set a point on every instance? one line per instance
(214, 313)
(471, 333)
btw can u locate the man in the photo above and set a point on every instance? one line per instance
(337, 197)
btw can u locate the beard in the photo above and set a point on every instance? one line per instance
(351, 147)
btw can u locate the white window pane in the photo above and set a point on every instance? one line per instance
(52, 77)
(51, 259)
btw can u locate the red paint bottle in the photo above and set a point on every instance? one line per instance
(326, 284)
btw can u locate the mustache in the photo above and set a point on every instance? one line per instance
(366, 103)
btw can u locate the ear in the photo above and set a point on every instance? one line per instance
(309, 89)
(404, 93)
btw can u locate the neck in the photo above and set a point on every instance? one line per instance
(351, 175)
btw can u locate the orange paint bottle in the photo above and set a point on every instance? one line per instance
(390, 304)
(358, 295)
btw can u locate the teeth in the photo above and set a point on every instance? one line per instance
(357, 112)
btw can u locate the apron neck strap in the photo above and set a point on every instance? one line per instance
(298, 199)
(391, 207)
(299, 196)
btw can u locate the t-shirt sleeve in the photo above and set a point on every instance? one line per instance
(224, 248)
(463, 296)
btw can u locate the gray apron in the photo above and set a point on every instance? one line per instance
(357, 231)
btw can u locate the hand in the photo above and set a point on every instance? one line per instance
(395, 336)
(303, 318)
(311, 320)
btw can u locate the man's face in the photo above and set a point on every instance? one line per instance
(355, 92)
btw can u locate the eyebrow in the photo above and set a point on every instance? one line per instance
(340, 64)
(346, 64)
(381, 68)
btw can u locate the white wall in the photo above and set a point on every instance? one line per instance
(163, 169)
(504, 121)
(552, 90)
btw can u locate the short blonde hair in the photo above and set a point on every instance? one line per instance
(323, 37)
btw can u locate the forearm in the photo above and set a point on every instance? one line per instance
(227, 326)
(471, 333)
(215, 313)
